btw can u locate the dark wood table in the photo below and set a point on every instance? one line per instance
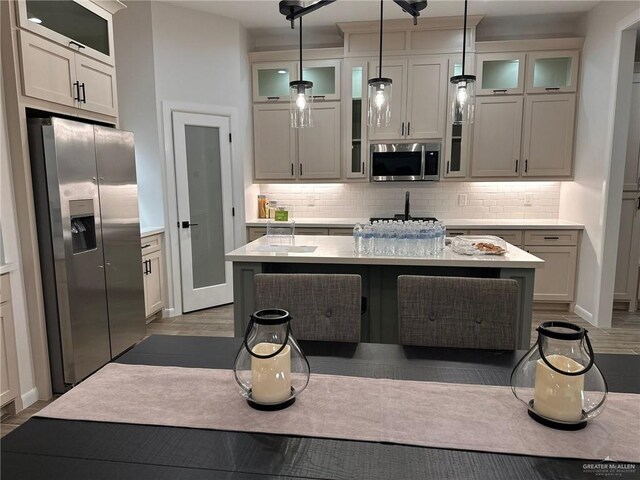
(63, 449)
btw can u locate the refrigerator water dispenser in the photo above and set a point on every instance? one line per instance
(83, 225)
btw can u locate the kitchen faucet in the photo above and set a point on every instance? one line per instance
(407, 206)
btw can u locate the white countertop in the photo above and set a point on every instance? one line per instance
(339, 250)
(451, 223)
(7, 267)
(148, 231)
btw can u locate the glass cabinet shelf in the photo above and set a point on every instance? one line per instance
(354, 154)
(500, 73)
(552, 72)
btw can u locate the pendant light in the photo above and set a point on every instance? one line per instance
(463, 104)
(301, 97)
(379, 91)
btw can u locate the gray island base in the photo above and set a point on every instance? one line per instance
(334, 254)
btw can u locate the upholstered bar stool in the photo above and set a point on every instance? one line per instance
(457, 312)
(323, 307)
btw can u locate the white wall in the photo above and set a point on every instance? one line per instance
(137, 104)
(488, 200)
(585, 199)
(11, 246)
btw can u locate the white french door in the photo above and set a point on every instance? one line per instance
(205, 220)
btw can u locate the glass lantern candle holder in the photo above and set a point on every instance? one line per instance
(558, 379)
(270, 369)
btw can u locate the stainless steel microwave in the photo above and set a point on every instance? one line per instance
(405, 162)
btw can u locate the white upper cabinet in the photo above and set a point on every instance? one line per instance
(319, 146)
(500, 73)
(632, 165)
(325, 75)
(426, 97)
(396, 70)
(97, 86)
(555, 71)
(547, 148)
(457, 139)
(78, 24)
(271, 81)
(496, 137)
(354, 118)
(274, 143)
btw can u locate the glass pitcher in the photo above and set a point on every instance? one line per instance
(558, 379)
(270, 368)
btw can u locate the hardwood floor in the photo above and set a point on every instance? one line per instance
(622, 337)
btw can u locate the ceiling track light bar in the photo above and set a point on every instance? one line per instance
(294, 9)
(412, 7)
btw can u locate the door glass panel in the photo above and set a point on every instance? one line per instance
(323, 78)
(274, 82)
(356, 120)
(499, 74)
(455, 162)
(552, 72)
(72, 20)
(205, 205)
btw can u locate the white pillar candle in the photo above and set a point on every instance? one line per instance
(271, 377)
(557, 396)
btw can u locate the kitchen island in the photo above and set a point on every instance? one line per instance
(334, 254)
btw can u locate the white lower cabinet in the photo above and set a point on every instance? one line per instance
(556, 281)
(496, 137)
(153, 274)
(9, 379)
(626, 282)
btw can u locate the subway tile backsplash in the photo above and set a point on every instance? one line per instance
(353, 200)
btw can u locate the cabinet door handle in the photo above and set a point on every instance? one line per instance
(500, 90)
(318, 97)
(300, 169)
(638, 203)
(79, 45)
(84, 93)
(145, 267)
(551, 238)
(552, 89)
(447, 167)
(408, 129)
(76, 88)
(516, 165)
(149, 266)
(292, 169)
(526, 165)
(273, 98)
(363, 168)
(402, 133)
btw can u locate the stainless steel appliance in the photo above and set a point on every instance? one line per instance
(402, 162)
(86, 198)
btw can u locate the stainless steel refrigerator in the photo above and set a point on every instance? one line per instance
(86, 200)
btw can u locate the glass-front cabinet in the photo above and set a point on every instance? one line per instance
(325, 75)
(457, 148)
(500, 73)
(354, 118)
(271, 81)
(77, 24)
(549, 72)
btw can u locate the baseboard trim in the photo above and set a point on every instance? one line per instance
(30, 397)
(169, 312)
(584, 314)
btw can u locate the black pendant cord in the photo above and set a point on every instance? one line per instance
(464, 37)
(381, 18)
(301, 49)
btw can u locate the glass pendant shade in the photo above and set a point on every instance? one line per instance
(301, 102)
(558, 379)
(270, 368)
(379, 112)
(464, 99)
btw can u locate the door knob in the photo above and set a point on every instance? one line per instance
(186, 224)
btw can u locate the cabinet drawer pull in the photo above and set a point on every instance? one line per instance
(273, 98)
(551, 238)
(146, 246)
(318, 97)
(552, 89)
(500, 90)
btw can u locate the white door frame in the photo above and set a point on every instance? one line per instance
(172, 241)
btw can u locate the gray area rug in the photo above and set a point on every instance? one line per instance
(428, 414)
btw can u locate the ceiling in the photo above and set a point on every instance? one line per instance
(264, 14)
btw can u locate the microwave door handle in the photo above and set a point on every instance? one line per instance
(422, 163)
